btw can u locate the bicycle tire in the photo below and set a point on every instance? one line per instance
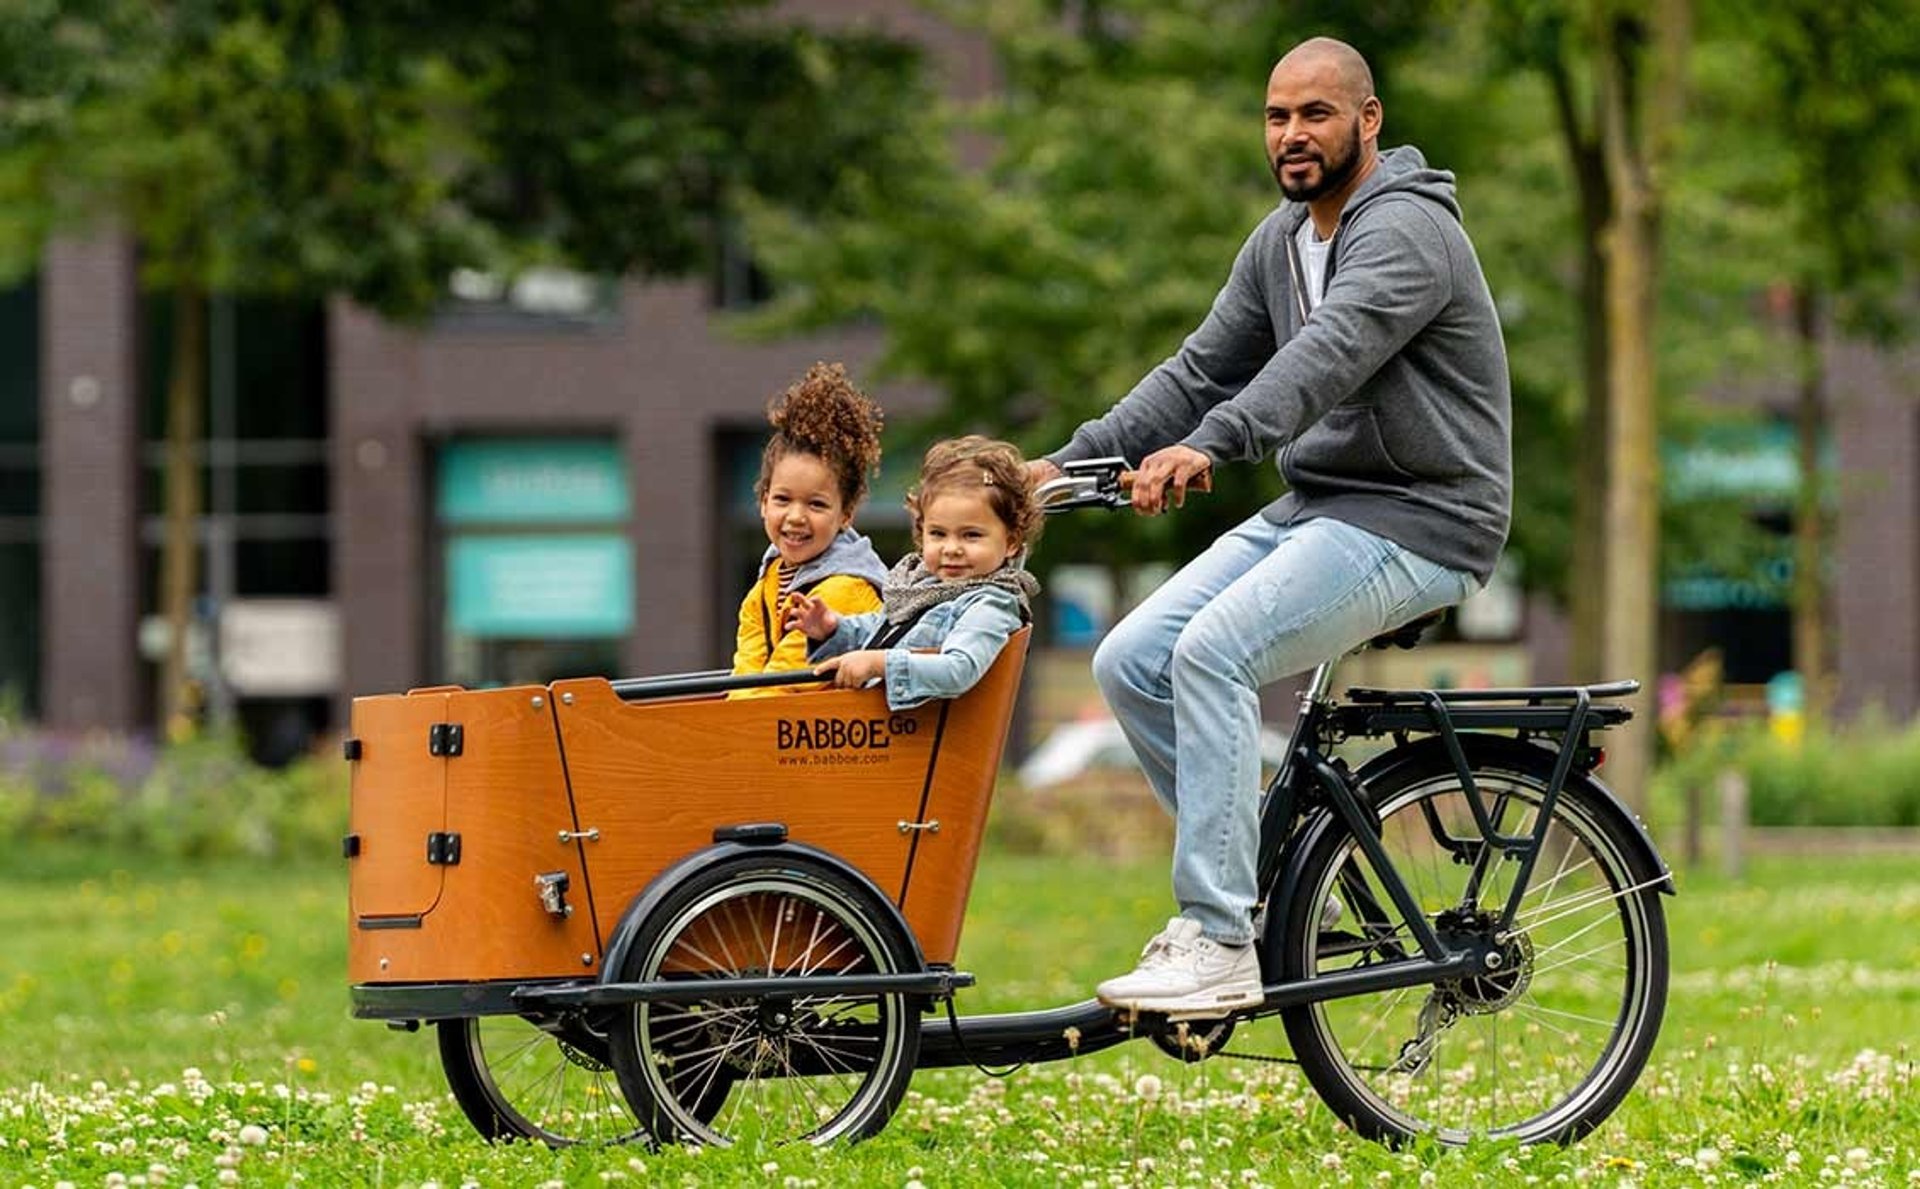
(549, 1081)
(800, 1068)
(1432, 1060)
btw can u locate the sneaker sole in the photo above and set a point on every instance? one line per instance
(1192, 1007)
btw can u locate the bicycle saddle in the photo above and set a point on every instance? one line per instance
(1408, 634)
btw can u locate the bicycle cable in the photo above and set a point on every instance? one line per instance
(960, 1042)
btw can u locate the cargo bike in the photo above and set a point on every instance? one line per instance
(639, 910)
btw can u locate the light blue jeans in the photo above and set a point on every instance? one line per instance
(1183, 673)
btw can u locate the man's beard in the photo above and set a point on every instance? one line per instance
(1333, 174)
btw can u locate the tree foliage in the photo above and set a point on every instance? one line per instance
(1126, 167)
(322, 147)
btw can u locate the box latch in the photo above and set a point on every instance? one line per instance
(445, 739)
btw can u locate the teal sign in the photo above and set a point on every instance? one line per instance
(533, 481)
(1758, 462)
(549, 586)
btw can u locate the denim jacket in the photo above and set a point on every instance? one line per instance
(968, 631)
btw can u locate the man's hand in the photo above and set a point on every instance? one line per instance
(812, 616)
(1039, 471)
(854, 669)
(1167, 472)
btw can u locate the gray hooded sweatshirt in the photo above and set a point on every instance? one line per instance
(848, 553)
(1388, 404)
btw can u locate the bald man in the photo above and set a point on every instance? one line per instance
(1356, 340)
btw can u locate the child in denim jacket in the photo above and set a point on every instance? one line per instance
(952, 605)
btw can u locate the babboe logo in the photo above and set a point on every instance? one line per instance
(842, 734)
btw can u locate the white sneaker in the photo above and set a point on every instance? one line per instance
(1181, 972)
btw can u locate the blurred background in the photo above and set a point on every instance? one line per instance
(347, 347)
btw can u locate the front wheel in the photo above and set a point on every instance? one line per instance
(1541, 1048)
(796, 1066)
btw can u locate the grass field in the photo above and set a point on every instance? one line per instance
(173, 1026)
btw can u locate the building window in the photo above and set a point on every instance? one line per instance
(535, 561)
(263, 648)
(20, 498)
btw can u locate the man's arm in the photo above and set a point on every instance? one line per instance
(1221, 355)
(1393, 277)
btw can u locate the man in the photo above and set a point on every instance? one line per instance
(1356, 337)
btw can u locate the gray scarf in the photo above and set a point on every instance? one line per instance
(911, 588)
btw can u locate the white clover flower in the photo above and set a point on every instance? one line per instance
(770, 1167)
(1707, 1157)
(228, 1176)
(253, 1135)
(1330, 1160)
(1147, 1087)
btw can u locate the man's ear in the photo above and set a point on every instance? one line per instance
(1372, 116)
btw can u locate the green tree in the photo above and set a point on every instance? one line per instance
(268, 148)
(1617, 73)
(1125, 168)
(322, 147)
(1841, 84)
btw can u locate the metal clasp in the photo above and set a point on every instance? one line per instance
(588, 835)
(932, 827)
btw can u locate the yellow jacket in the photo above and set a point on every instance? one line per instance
(761, 647)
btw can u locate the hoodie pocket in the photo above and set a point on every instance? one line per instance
(1347, 443)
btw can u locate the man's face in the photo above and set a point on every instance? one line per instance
(1317, 133)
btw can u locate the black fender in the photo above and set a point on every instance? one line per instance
(1643, 857)
(620, 940)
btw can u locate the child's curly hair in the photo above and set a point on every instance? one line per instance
(826, 416)
(986, 467)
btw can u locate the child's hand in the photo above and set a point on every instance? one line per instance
(812, 616)
(855, 669)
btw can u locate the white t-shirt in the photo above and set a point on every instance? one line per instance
(1313, 260)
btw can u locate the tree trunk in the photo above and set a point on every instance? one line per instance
(1640, 67)
(1586, 560)
(181, 496)
(1809, 513)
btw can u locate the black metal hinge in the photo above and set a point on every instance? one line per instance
(350, 748)
(350, 846)
(443, 848)
(445, 739)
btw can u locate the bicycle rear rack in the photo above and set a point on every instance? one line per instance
(1570, 711)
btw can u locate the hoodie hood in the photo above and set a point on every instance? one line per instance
(1402, 170)
(848, 553)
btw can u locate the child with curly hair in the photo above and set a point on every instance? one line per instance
(813, 476)
(952, 605)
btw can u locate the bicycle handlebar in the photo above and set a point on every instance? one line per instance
(1098, 483)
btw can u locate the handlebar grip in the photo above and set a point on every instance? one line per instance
(1201, 482)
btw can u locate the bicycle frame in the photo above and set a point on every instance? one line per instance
(1310, 777)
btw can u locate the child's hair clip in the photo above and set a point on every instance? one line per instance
(986, 478)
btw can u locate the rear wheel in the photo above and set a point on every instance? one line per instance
(801, 1066)
(540, 1078)
(1549, 1040)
